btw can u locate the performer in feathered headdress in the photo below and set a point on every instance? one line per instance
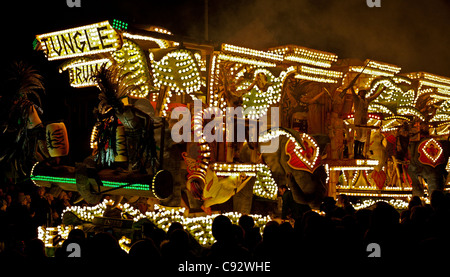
(21, 127)
(115, 85)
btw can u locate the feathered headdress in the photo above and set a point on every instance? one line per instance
(114, 85)
(17, 145)
(20, 81)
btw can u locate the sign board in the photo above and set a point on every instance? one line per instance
(85, 40)
(82, 70)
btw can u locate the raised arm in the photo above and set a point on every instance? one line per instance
(312, 100)
(317, 96)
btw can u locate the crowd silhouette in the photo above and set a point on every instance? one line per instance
(338, 233)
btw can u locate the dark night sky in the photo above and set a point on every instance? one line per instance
(412, 34)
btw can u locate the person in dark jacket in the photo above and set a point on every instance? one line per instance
(290, 207)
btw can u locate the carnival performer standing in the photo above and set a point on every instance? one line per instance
(139, 127)
(361, 106)
(22, 138)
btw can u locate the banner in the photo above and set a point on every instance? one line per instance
(85, 40)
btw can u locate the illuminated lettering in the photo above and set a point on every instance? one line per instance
(65, 42)
(85, 40)
(89, 43)
(54, 48)
(81, 71)
(82, 43)
(103, 37)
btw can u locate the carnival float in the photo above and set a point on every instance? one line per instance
(322, 125)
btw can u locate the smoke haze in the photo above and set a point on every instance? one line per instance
(413, 34)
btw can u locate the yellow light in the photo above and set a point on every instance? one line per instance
(252, 52)
(323, 72)
(81, 71)
(318, 75)
(383, 66)
(438, 146)
(273, 133)
(370, 71)
(305, 55)
(233, 58)
(132, 60)
(85, 40)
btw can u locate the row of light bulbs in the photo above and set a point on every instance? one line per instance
(434, 142)
(163, 217)
(276, 132)
(252, 52)
(384, 66)
(305, 55)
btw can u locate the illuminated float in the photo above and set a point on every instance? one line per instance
(300, 97)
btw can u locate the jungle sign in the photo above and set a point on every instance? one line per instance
(85, 40)
(81, 70)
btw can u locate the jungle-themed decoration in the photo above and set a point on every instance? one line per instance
(216, 186)
(398, 98)
(312, 88)
(199, 226)
(114, 85)
(174, 71)
(121, 145)
(85, 40)
(427, 165)
(57, 139)
(306, 177)
(302, 101)
(81, 70)
(132, 60)
(377, 150)
(253, 89)
(431, 152)
(303, 154)
(265, 91)
(177, 69)
(264, 186)
(23, 134)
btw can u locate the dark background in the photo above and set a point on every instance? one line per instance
(412, 34)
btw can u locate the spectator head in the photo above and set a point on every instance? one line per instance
(343, 200)
(246, 222)
(76, 235)
(104, 245)
(41, 191)
(271, 231)
(282, 189)
(384, 215)
(437, 200)
(238, 233)
(419, 215)
(8, 199)
(328, 205)
(180, 239)
(21, 199)
(150, 231)
(144, 249)
(49, 197)
(35, 249)
(415, 201)
(221, 228)
(174, 226)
